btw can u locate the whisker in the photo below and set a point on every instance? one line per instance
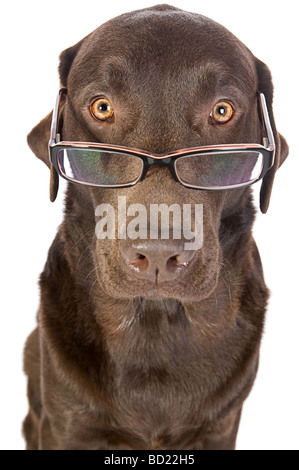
(88, 246)
(224, 260)
(216, 300)
(97, 267)
(228, 289)
(81, 238)
(227, 268)
(92, 286)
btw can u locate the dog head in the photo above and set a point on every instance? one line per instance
(161, 72)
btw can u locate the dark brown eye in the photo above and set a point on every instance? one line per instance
(101, 109)
(222, 112)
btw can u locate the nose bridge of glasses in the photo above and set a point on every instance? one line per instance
(158, 160)
(154, 163)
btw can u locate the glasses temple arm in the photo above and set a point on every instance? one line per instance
(54, 135)
(268, 141)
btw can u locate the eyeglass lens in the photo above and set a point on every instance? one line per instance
(99, 168)
(220, 169)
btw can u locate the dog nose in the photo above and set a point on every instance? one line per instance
(156, 260)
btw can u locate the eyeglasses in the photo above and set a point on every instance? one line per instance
(214, 167)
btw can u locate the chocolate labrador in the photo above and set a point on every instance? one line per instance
(147, 340)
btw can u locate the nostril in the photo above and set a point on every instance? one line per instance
(172, 263)
(179, 261)
(139, 262)
(175, 262)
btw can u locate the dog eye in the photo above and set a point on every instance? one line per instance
(222, 112)
(101, 109)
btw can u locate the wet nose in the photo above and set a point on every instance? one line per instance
(156, 260)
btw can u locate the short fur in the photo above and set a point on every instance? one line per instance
(118, 362)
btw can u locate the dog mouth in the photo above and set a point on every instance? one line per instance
(180, 277)
(159, 290)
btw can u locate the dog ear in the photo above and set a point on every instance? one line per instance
(38, 140)
(265, 86)
(39, 137)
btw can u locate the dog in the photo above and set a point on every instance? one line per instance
(142, 343)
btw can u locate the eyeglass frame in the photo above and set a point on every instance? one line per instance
(166, 159)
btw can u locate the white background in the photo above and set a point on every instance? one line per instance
(33, 33)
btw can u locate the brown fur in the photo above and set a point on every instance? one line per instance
(117, 362)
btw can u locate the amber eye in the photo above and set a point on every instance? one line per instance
(222, 112)
(101, 109)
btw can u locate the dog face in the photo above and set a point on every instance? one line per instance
(160, 74)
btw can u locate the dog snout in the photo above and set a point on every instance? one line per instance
(156, 260)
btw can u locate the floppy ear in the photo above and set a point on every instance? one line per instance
(39, 137)
(38, 140)
(265, 86)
